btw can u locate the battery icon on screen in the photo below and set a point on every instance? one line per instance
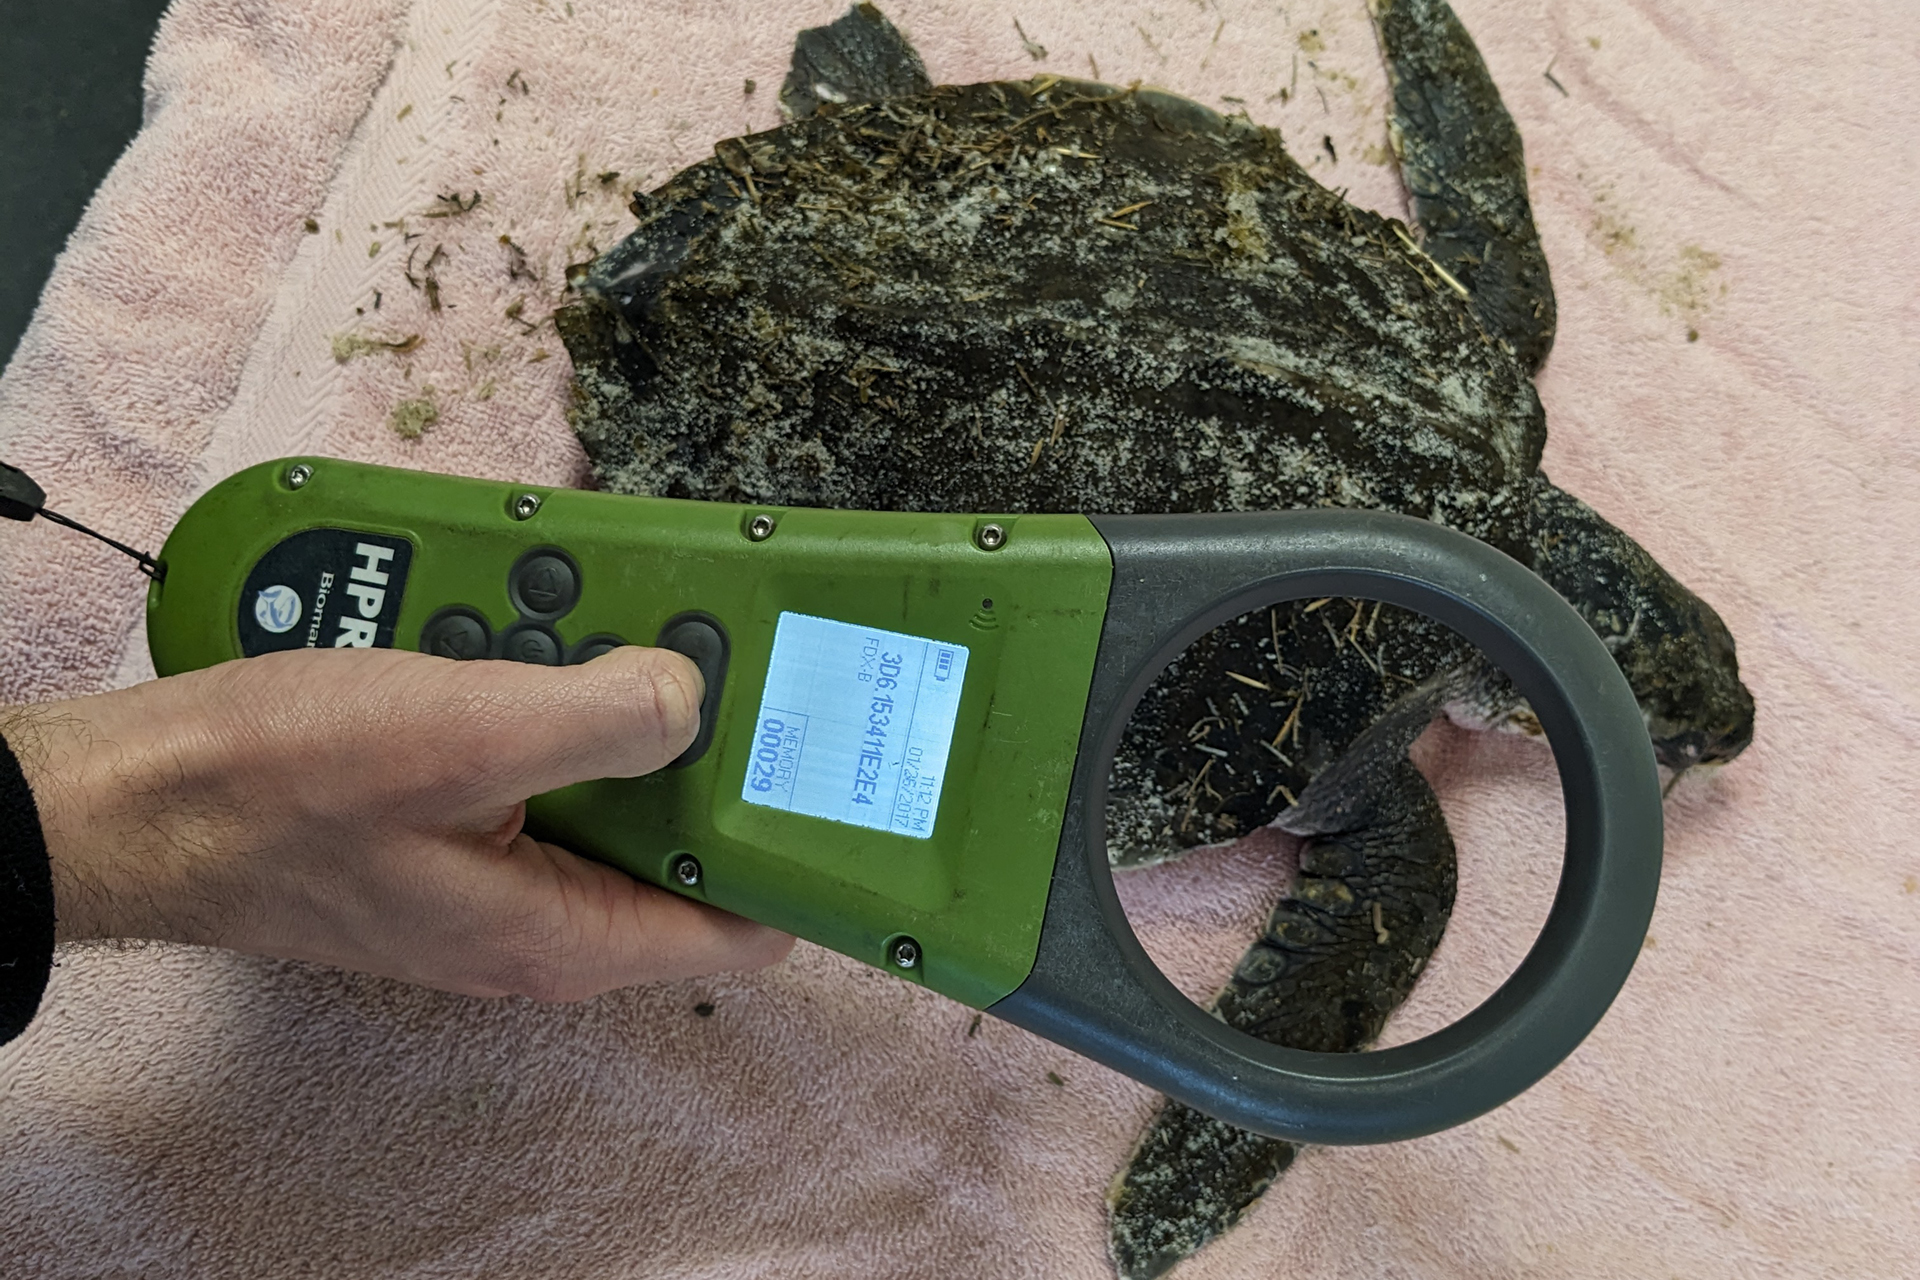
(943, 665)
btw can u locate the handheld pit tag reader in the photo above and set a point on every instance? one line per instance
(909, 723)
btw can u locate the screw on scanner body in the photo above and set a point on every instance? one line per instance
(525, 505)
(991, 537)
(905, 953)
(686, 869)
(760, 528)
(298, 474)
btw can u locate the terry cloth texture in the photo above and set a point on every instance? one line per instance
(1724, 191)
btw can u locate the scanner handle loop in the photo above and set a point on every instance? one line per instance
(1093, 987)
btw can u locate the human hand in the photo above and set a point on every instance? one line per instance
(364, 809)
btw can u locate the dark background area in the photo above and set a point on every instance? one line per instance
(69, 102)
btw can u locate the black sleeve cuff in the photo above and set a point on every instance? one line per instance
(26, 901)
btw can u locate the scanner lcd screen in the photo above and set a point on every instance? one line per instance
(855, 725)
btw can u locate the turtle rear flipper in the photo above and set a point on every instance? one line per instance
(860, 57)
(1461, 158)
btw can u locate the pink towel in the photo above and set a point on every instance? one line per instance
(1724, 191)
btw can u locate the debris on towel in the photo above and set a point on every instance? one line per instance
(411, 418)
(348, 345)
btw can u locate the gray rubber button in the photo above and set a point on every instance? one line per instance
(531, 644)
(700, 637)
(697, 639)
(593, 646)
(544, 586)
(455, 635)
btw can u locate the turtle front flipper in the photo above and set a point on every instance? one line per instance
(1339, 954)
(1189, 1180)
(1253, 713)
(1461, 158)
(860, 57)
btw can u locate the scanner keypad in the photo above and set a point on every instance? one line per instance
(543, 586)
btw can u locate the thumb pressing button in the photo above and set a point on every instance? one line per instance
(701, 638)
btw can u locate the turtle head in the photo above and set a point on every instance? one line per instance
(1673, 648)
(1686, 678)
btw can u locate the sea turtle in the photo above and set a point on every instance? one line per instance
(1058, 295)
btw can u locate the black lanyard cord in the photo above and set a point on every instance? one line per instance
(22, 499)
